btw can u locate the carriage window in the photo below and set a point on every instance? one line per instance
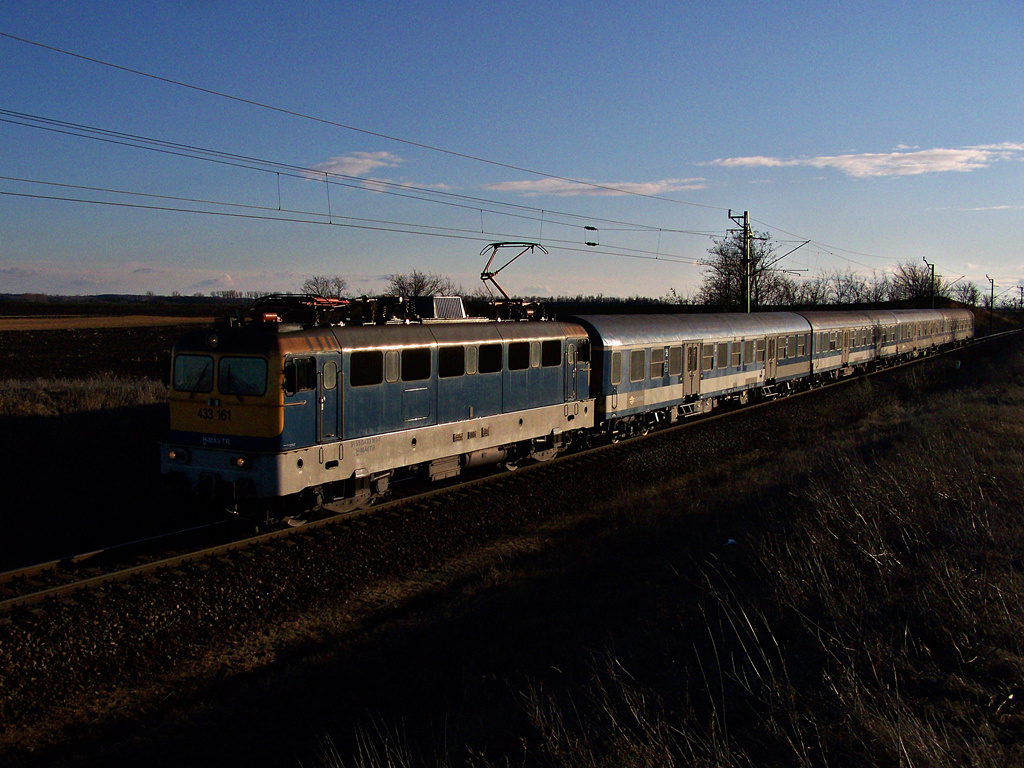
(490, 358)
(709, 357)
(518, 355)
(451, 361)
(551, 353)
(658, 363)
(801, 345)
(637, 358)
(737, 354)
(365, 369)
(723, 355)
(416, 364)
(193, 373)
(748, 352)
(675, 361)
(470, 360)
(330, 375)
(691, 358)
(760, 351)
(616, 367)
(392, 369)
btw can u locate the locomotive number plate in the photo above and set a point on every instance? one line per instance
(215, 414)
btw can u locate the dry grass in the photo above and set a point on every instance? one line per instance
(60, 397)
(867, 612)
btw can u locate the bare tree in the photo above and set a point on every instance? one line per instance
(813, 291)
(914, 281)
(967, 293)
(879, 288)
(416, 283)
(330, 287)
(723, 274)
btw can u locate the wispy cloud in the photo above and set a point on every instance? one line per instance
(566, 188)
(905, 161)
(357, 163)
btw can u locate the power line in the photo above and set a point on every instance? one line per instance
(336, 124)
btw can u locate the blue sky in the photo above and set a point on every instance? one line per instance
(371, 138)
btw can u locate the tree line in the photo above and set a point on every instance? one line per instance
(722, 284)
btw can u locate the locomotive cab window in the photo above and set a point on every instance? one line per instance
(330, 375)
(365, 369)
(193, 373)
(583, 350)
(242, 376)
(300, 374)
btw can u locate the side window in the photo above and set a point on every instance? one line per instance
(675, 361)
(737, 354)
(781, 347)
(519, 355)
(535, 354)
(416, 364)
(365, 368)
(451, 361)
(801, 345)
(691, 358)
(658, 363)
(392, 367)
(551, 353)
(490, 358)
(300, 373)
(330, 374)
(471, 353)
(723, 355)
(759, 354)
(748, 352)
(637, 359)
(616, 367)
(583, 350)
(709, 357)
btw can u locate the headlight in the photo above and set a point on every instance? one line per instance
(178, 455)
(240, 462)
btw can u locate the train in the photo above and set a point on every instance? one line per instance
(309, 403)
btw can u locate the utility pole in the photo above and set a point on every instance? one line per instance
(745, 262)
(933, 279)
(991, 303)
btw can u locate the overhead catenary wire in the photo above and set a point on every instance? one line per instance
(829, 249)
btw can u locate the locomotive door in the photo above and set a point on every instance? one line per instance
(328, 397)
(571, 371)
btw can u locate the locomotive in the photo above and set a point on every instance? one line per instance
(324, 403)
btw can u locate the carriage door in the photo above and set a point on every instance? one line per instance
(691, 375)
(846, 347)
(770, 364)
(329, 395)
(571, 372)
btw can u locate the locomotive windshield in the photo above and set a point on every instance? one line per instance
(242, 376)
(193, 373)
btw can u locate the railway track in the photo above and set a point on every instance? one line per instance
(54, 580)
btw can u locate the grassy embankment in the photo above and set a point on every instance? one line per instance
(865, 610)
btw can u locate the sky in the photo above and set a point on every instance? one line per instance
(196, 146)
